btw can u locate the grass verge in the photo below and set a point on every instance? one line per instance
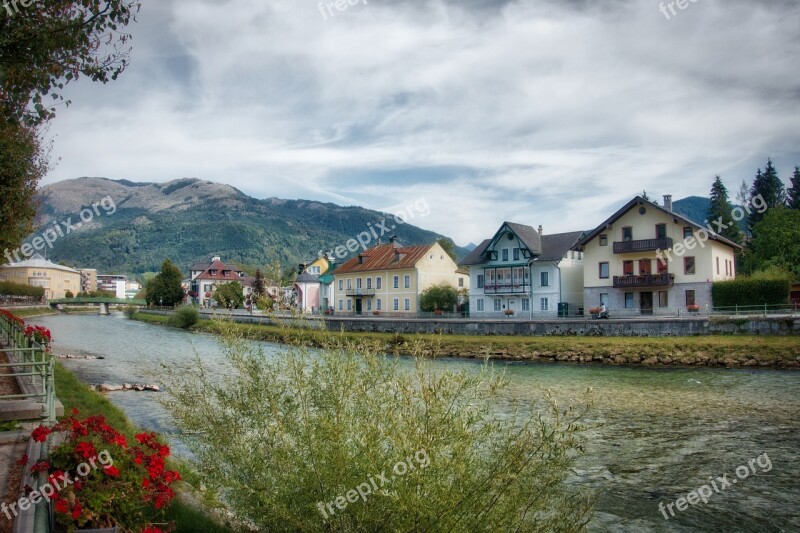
(29, 312)
(712, 350)
(74, 394)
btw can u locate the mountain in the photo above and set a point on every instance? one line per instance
(129, 227)
(694, 208)
(471, 246)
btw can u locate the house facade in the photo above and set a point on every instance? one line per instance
(646, 259)
(522, 272)
(312, 288)
(204, 281)
(37, 271)
(388, 279)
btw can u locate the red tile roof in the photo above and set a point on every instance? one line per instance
(224, 273)
(385, 257)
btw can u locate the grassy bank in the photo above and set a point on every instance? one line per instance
(728, 351)
(29, 312)
(76, 395)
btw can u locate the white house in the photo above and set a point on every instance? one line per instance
(523, 272)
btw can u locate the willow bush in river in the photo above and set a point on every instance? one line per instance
(312, 441)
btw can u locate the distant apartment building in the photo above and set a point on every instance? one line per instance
(37, 271)
(88, 279)
(114, 283)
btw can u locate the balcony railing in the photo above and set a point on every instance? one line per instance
(646, 245)
(645, 281)
(507, 288)
(360, 292)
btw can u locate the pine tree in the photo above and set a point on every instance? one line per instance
(258, 284)
(770, 188)
(720, 210)
(793, 194)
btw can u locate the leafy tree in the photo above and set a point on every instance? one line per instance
(69, 294)
(230, 295)
(449, 247)
(308, 427)
(258, 285)
(776, 242)
(793, 193)
(438, 297)
(720, 209)
(165, 288)
(770, 187)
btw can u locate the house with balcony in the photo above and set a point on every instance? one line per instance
(522, 272)
(646, 259)
(388, 279)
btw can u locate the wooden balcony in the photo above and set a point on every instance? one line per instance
(646, 245)
(644, 282)
(360, 292)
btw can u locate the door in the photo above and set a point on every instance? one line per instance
(646, 303)
(358, 306)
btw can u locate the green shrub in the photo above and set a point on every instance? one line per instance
(438, 297)
(69, 294)
(184, 317)
(265, 303)
(130, 310)
(287, 438)
(8, 288)
(759, 289)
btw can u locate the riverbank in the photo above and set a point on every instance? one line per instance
(739, 351)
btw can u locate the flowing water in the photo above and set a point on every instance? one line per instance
(664, 432)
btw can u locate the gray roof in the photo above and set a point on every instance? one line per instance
(37, 261)
(305, 277)
(527, 235)
(556, 246)
(475, 257)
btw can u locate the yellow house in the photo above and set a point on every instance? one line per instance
(647, 259)
(40, 272)
(387, 279)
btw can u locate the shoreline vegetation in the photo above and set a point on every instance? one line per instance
(718, 351)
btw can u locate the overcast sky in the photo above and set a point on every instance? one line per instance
(538, 112)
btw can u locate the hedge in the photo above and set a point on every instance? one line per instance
(751, 291)
(8, 288)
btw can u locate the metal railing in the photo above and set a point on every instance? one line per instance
(645, 245)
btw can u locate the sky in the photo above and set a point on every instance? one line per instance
(538, 112)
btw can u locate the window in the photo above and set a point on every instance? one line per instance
(480, 281)
(544, 304)
(663, 299)
(718, 265)
(407, 281)
(603, 240)
(358, 283)
(497, 304)
(479, 303)
(460, 282)
(687, 232)
(349, 305)
(341, 305)
(645, 267)
(516, 254)
(604, 270)
(396, 282)
(688, 265)
(662, 267)
(369, 283)
(627, 234)
(604, 298)
(627, 268)
(378, 304)
(369, 305)
(661, 231)
(407, 304)
(690, 298)
(396, 304)
(526, 304)
(377, 283)
(545, 279)
(341, 284)
(628, 300)
(349, 283)
(505, 254)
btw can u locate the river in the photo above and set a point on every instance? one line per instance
(664, 432)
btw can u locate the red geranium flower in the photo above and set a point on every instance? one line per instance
(111, 471)
(62, 507)
(40, 434)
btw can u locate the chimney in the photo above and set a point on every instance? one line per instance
(216, 258)
(668, 202)
(393, 239)
(301, 268)
(541, 230)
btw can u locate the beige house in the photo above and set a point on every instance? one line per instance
(387, 279)
(40, 272)
(646, 259)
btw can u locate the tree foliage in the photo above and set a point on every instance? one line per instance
(8, 288)
(720, 208)
(776, 242)
(165, 288)
(770, 188)
(438, 297)
(793, 193)
(285, 434)
(229, 295)
(258, 285)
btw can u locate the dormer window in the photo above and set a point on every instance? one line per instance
(360, 259)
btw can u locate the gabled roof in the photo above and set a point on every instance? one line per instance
(638, 200)
(556, 246)
(529, 237)
(224, 273)
(475, 257)
(390, 256)
(199, 267)
(305, 277)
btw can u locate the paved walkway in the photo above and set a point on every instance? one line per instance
(12, 446)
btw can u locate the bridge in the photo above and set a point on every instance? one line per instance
(101, 301)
